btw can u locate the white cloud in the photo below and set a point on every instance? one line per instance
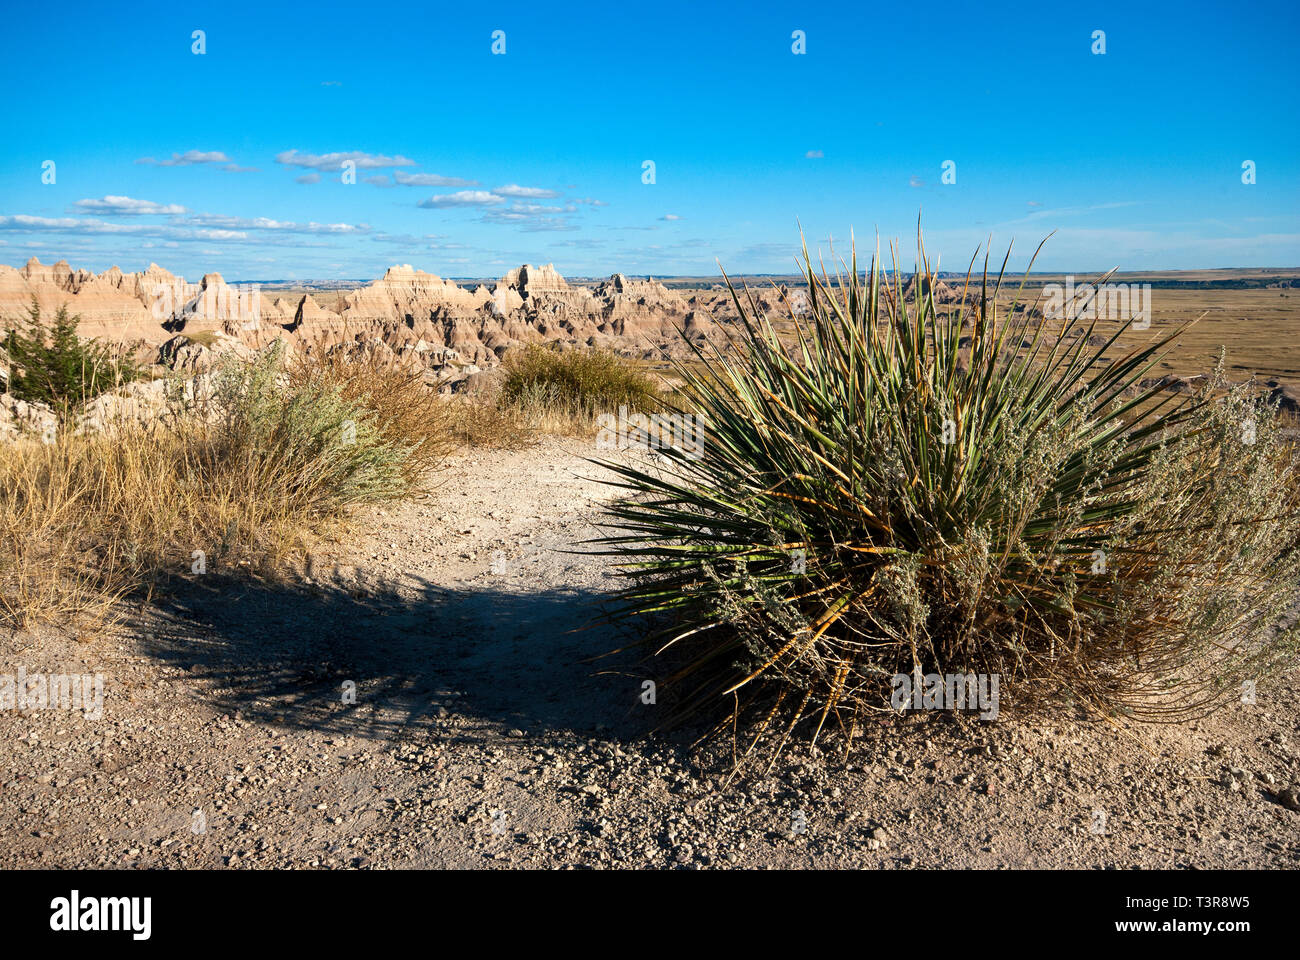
(23, 222)
(670, 216)
(533, 193)
(266, 223)
(430, 180)
(127, 207)
(814, 155)
(188, 158)
(529, 222)
(308, 178)
(1041, 214)
(26, 224)
(462, 198)
(205, 228)
(532, 217)
(334, 161)
(405, 239)
(534, 209)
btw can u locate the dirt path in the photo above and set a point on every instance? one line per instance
(478, 737)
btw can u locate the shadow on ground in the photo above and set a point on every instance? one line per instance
(461, 665)
(491, 657)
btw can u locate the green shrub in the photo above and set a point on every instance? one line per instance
(57, 367)
(877, 498)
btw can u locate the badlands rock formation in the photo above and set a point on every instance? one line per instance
(20, 418)
(535, 280)
(111, 304)
(407, 312)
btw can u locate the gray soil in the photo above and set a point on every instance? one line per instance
(480, 737)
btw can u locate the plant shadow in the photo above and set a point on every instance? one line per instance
(462, 664)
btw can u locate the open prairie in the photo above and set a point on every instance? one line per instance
(1256, 328)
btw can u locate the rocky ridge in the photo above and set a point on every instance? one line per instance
(406, 312)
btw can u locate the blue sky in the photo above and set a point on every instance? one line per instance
(1134, 157)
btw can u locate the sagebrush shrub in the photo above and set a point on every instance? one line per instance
(300, 439)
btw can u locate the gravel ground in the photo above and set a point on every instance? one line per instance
(479, 737)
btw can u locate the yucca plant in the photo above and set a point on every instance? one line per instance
(890, 486)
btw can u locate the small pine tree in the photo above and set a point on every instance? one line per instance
(56, 367)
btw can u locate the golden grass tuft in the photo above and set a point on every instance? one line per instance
(241, 484)
(246, 479)
(563, 391)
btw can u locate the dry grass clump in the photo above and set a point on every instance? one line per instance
(876, 498)
(49, 571)
(562, 391)
(231, 485)
(549, 390)
(476, 422)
